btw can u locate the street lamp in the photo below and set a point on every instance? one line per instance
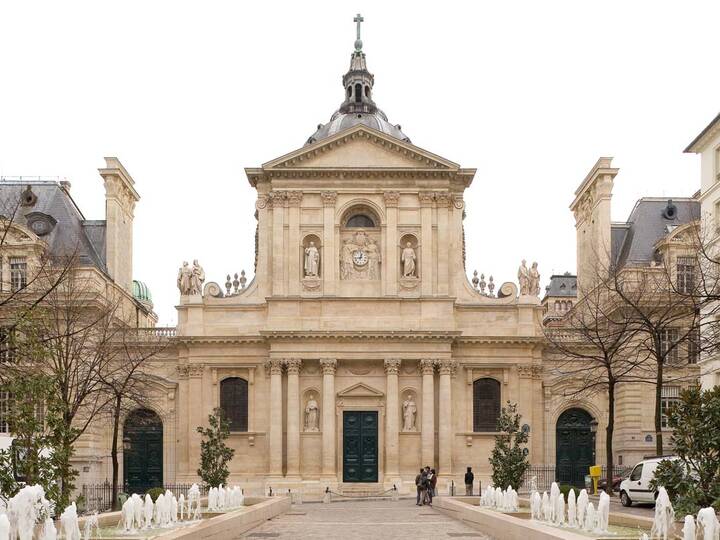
(127, 443)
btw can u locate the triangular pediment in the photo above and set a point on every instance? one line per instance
(360, 390)
(361, 147)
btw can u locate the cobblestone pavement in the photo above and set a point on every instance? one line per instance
(366, 520)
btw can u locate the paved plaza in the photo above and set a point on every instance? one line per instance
(364, 520)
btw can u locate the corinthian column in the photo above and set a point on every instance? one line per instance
(392, 444)
(328, 416)
(293, 416)
(427, 368)
(446, 368)
(274, 367)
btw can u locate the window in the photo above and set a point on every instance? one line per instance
(234, 402)
(5, 399)
(685, 274)
(668, 349)
(360, 220)
(358, 93)
(693, 346)
(717, 163)
(7, 345)
(636, 474)
(18, 273)
(486, 404)
(668, 396)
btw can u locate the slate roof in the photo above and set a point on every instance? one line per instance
(632, 242)
(71, 231)
(562, 285)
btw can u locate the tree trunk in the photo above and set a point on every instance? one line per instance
(658, 408)
(609, 437)
(114, 452)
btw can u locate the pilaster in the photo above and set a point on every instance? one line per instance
(427, 368)
(329, 260)
(446, 367)
(274, 368)
(392, 441)
(293, 366)
(391, 272)
(328, 365)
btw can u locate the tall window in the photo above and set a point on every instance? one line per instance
(668, 347)
(5, 399)
(486, 404)
(693, 346)
(669, 395)
(234, 402)
(685, 274)
(7, 345)
(18, 273)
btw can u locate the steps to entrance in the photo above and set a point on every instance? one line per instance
(358, 489)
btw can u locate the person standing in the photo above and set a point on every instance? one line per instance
(433, 484)
(469, 480)
(419, 487)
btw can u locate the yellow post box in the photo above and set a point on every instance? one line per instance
(595, 472)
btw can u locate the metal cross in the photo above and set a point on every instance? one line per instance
(358, 19)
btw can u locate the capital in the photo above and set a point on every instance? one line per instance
(392, 366)
(328, 366)
(426, 198)
(447, 366)
(183, 371)
(442, 199)
(196, 370)
(274, 366)
(427, 366)
(293, 365)
(294, 198)
(328, 198)
(262, 202)
(391, 198)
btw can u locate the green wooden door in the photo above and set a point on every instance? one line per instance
(360, 446)
(143, 461)
(575, 447)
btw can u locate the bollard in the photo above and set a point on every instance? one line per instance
(395, 494)
(271, 493)
(326, 498)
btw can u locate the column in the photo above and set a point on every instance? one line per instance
(445, 425)
(442, 200)
(293, 416)
(274, 368)
(428, 256)
(391, 271)
(198, 414)
(427, 368)
(328, 366)
(279, 204)
(183, 372)
(328, 257)
(392, 411)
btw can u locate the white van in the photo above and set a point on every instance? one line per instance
(636, 487)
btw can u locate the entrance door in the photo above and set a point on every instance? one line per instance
(360, 446)
(575, 447)
(143, 460)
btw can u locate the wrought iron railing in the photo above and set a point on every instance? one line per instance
(98, 497)
(545, 475)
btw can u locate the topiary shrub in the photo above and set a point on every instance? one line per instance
(155, 493)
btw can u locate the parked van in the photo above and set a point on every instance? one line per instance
(636, 487)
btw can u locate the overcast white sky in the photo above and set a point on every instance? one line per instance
(187, 94)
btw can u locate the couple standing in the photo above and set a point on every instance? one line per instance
(425, 482)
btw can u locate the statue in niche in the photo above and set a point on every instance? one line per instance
(374, 259)
(408, 259)
(346, 262)
(184, 278)
(534, 280)
(409, 413)
(524, 279)
(197, 278)
(312, 414)
(312, 261)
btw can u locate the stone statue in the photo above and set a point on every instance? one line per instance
(524, 279)
(534, 280)
(346, 264)
(408, 259)
(312, 261)
(373, 259)
(197, 278)
(184, 278)
(409, 413)
(311, 415)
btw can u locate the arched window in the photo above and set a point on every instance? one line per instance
(358, 93)
(486, 404)
(234, 402)
(360, 220)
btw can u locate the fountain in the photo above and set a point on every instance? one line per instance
(590, 520)
(27, 509)
(193, 502)
(546, 507)
(4, 527)
(559, 510)
(91, 523)
(536, 505)
(181, 506)
(148, 512)
(707, 524)
(663, 522)
(688, 529)
(49, 532)
(582, 503)
(496, 498)
(69, 523)
(603, 513)
(572, 509)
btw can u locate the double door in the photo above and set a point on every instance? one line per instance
(360, 446)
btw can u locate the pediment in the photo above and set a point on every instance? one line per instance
(361, 147)
(360, 390)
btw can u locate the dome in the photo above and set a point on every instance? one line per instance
(358, 106)
(341, 121)
(142, 293)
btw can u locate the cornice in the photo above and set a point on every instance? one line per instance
(428, 335)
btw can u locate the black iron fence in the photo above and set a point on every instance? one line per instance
(98, 497)
(545, 475)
